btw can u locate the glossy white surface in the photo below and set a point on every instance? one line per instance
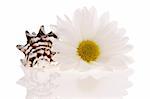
(70, 84)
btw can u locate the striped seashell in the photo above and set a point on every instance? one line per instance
(38, 47)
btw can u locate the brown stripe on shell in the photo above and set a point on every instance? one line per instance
(38, 46)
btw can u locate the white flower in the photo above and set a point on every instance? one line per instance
(87, 42)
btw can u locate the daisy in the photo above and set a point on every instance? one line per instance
(88, 42)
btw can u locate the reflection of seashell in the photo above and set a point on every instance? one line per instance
(39, 82)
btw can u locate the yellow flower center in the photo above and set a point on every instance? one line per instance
(88, 51)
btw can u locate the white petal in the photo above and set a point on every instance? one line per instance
(85, 20)
(104, 19)
(67, 31)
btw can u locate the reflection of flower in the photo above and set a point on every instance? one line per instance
(39, 82)
(87, 41)
(104, 83)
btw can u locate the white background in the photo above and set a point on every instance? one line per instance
(16, 16)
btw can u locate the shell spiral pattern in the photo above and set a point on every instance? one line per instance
(38, 47)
